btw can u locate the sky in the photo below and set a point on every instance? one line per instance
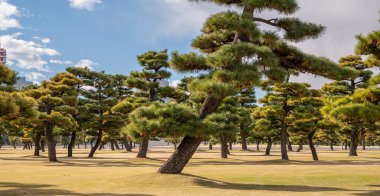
(42, 38)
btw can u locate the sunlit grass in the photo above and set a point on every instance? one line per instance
(244, 173)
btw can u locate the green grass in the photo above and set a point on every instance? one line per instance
(244, 173)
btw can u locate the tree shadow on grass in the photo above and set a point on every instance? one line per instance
(371, 192)
(13, 188)
(234, 161)
(217, 184)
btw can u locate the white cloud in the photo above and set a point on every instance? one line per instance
(86, 63)
(59, 62)
(45, 40)
(26, 54)
(7, 14)
(88, 5)
(34, 76)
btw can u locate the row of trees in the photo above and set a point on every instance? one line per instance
(236, 55)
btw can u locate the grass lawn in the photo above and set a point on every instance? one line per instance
(244, 173)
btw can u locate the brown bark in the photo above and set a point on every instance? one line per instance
(210, 146)
(354, 143)
(71, 144)
(126, 144)
(117, 145)
(258, 146)
(290, 148)
(51, 143)
(311, 145)
(143, 148)
(112, 145)
(300, 147)
(97, 143)
(269, 146)
(37, 141)
(189, 145)
(363, 139)
(223, 146)
(332, 145)
(284, 141)
(243, 136)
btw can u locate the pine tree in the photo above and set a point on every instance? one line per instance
(238, 53)
(58, 100)
(147, 83)
(247, 100)
(267, 124)
(352, 112)
(99, 96)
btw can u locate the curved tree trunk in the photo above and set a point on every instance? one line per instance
(189, 145)
(97, 143)
(37, 144)
(143, 148)
(175, 145)
(126, 144)
(332, 145)
(243, 136)
(71, 144)
(269, 146)
(311, 145)
(354, 143)
(290, 148)
(300, 147)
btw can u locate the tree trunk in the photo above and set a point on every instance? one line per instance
(126, 144)
(71, 144)
(284, 141)
(243, 136)
(51, 143)
(300, 147)
(181, 156)
(37, 144)
(42, 145)
(290, 148)
(363, 139)
(354, 143)
(189, 145)
(210, 146)
(117, 145)
(258, 146)
(175, 145)
(112, 145)
(332, 145)
(97, 143)
(269, 146)
(143, 148)
(223, 146)
(311, 145)
(345, 145)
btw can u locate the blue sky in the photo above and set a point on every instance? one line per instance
(43, 37)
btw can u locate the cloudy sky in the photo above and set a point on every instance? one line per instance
(44, 37)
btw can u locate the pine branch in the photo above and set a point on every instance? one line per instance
(272, 22)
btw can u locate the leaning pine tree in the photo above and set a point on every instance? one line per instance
(236, 55)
